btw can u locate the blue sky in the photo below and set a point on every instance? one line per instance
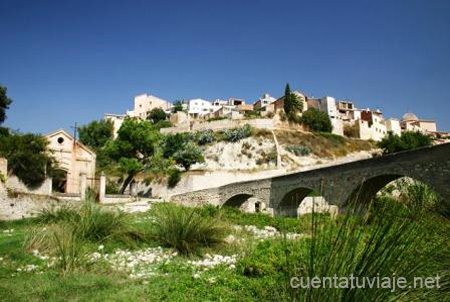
(72, 61)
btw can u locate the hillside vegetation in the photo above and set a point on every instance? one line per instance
(324, 145)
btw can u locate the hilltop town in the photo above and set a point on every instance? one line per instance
(345, 117)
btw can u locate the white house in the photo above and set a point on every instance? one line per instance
(199, 107)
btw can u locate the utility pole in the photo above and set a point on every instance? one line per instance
(75, 129)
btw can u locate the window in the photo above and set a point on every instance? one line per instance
(60, 140)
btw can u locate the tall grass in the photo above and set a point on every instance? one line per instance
(186, 229)
(93, 222)
(65, 232)
(381, 243)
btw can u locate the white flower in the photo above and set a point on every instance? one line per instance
(101, 247)
(196, 276)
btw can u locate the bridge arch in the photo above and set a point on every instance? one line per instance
(363, 193)
(237, 200)
(291, 201)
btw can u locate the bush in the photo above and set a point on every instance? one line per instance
(238, 134)
(217, 118)
(417, 196)
(174, 178)
(189, 155)
(408, 140)
(298, 150)
(316, 120)
(163, 124)
(186, 229)
(205, 137)
(352, 130)
(156, 115)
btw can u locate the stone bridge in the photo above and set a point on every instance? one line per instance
(358, 181)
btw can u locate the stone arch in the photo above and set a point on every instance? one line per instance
(291, 201)
(237, 200)
(363, 193)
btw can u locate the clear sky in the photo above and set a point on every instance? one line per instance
(72, 61)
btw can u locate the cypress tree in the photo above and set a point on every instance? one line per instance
(287, 99)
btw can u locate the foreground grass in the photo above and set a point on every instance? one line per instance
(383, 241)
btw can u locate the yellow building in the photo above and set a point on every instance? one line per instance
(73, 158)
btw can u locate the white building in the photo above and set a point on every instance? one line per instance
(199, 107)
(393, 125)
(265, 100)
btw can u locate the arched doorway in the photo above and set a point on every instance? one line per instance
(59, 180)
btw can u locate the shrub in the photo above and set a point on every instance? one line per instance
(174, 178)
(270, 114)
(236, 135)
(112, 188)
(189, 155)
(417, 196)
(163, 124)
(156, 115)
(316, 120)
(186, 229)
(205, 137)
(352, 130)
(174, 142)
(408, 140)
(298, 150)
(217, 118)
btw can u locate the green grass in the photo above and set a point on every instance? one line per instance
(185, 229)
(389, 237)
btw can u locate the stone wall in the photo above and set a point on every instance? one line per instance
(16, 205)
(221, 124)
(3, 167)
(17, 185)
(196, 180)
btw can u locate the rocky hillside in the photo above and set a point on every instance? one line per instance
(296, 149)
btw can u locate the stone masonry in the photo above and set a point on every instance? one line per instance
(356, 181)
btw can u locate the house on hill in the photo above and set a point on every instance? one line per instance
(74, 159)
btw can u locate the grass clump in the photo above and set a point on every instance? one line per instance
(93, 222)
(298, 150)
(186, 229)
(67, 233)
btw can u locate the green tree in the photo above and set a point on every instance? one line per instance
(4, 103)
(96, 134)
(182, 149)
(177, 107)
(156, 115)
(189, 155)
(316, 120)
(175, 142)
(287, 99)
(408, 140)
(133, 148)
(28, 157)
(296, 103)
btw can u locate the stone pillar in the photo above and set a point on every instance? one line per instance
(50, 186)
(83, 186)
(102, 189)
(133, 188)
